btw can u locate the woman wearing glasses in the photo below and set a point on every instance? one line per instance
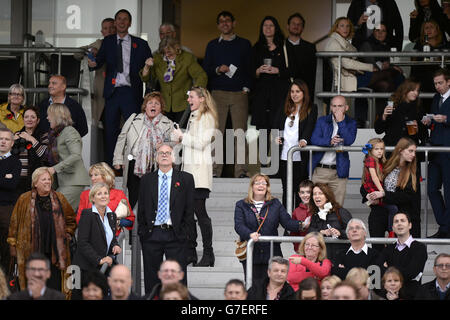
(260, 214)
(11, 112)
(310, 262)
(296, 125)
(197, 160)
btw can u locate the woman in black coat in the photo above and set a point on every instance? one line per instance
(296, 124)
(261, 208)
(271, 83)
(392, 121)
(401, 188)
(426, 10)
(329, 218)
(97, 242)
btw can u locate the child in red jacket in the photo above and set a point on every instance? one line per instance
(303, 211)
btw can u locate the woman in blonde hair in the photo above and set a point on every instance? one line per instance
(327, 285)
(197, 160)
(310, 262)
(401, 186)
(64, 154)
(101, 172)
(260, 214)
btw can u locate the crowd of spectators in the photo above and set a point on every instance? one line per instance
(43, 177)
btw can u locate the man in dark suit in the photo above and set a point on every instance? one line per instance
(124, 56)
(301, 53)
(57, 90)
(438, 288)
(438, 167)
(37, 273)
(165, 216)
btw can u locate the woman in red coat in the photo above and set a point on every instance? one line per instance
(310, 262)
(101, 172)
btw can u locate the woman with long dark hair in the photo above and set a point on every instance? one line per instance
(271, 74)
(296, 124)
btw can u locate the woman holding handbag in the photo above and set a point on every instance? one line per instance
(118, 202)
(260, 214)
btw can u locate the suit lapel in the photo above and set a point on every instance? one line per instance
(100, 226)
(154, 188)
(173, 188)
(132, 52)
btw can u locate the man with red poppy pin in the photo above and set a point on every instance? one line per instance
(124, 55)
(166, 224)
(10, 167)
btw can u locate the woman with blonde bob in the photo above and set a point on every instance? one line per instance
(401, 185)
(310, 262)
(101, 172)
(43, 221)
(260, 210)
(327, 285)
(64, 154)
(197, 160)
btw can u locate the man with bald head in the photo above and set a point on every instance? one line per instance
(334, 130)
(57, 91)
(120, 282)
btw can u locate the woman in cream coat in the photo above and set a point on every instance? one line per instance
(340, 34)
(138, 141)
(197, 160)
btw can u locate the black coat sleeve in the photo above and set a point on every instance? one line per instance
(85, 246)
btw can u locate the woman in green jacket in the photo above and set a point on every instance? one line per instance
(176, 71)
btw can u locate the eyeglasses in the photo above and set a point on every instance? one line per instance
(260, 183)
(291, 123)
(167, 153)
(357, 228)
(310, 245)
(40, 270)
(15, 94)
(443, 266)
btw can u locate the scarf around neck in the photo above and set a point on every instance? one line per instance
(150, 137)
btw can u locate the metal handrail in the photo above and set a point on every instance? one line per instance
(319, 94)
(272, 239)
(290, 168)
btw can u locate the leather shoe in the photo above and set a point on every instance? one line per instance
(192, 258)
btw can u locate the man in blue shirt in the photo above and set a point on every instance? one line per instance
(228, 63)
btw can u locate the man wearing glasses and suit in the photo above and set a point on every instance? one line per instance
(165, 216)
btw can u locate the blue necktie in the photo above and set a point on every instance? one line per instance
(163, 206)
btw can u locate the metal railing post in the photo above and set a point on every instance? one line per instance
(249, 263)
(339, 74)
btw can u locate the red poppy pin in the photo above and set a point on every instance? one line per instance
(134, 45)
(113, 81)
(29, 146)
(177, 184)
(9, 116)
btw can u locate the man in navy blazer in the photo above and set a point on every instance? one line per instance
(334, 129)
(123, 88)
(438, 166)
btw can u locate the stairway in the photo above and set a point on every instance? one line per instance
(209, 282)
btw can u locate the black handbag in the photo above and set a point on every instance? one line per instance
(13, 276)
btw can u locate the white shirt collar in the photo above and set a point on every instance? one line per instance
(168, 173)
(401, 246)
(7, 155)
(231, 38)
(295, 43)
(446, 95)
(126, 38)
(438, 287)
(365, 249)
(94, 209)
